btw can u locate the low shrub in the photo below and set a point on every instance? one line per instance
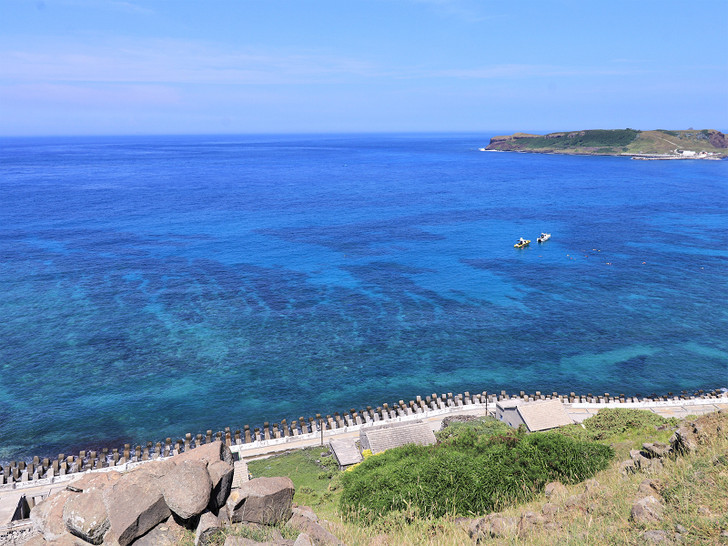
(482, 426)
(616, 421)
(468, 474)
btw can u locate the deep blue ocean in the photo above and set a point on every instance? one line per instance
(153, 286)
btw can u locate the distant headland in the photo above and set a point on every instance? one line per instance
(657, 144)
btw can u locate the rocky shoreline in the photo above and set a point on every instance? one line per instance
(200, 492)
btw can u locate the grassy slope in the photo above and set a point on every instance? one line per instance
(651, 142)
(694, 490)
(612, 142)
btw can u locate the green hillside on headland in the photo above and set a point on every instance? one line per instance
(683, 144)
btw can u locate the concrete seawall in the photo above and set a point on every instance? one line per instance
(30, 482)
(258, 441)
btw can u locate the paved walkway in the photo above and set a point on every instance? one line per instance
(577, 411)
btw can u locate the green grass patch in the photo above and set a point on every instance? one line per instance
(482, 426)
(466, 475)
(310, 469)
(620, 425)
(595, 138)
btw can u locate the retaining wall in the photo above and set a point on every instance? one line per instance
(45, 470)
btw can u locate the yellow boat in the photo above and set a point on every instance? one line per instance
(522, 243)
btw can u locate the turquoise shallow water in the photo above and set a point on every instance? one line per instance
(154, 286)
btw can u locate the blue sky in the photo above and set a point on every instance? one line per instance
(239, 66)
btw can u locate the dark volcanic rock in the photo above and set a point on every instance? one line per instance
(134, 509)
(263, 500)
(85, 516)
(186, 488)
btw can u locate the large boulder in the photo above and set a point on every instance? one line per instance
(685, 439)
(208, 525)
(263, 500)
(493, 526)
(640, 461)
(304, 540)
(167, 533)
(214, 451)
(555, 490)
(656, 450)
(66, 539)
(47, 515)
(186, 488)
(649, 487)
(221, 475)
(627, 467)
(647, 510)
(530, 523)
(94, 481)
(302, 521)
(85, 516)
(134, 508)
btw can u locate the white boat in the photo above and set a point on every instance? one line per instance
(544, 237)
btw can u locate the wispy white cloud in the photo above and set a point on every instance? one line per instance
(171, 62)
(53, 95)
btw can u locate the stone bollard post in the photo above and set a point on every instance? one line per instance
(208, 437)
(228, 437)
(276, 431)
(145, 452)
(238, 441)
(188, 441)
(158, 450)
(167, 447)
(246, 434)
(284, 428)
